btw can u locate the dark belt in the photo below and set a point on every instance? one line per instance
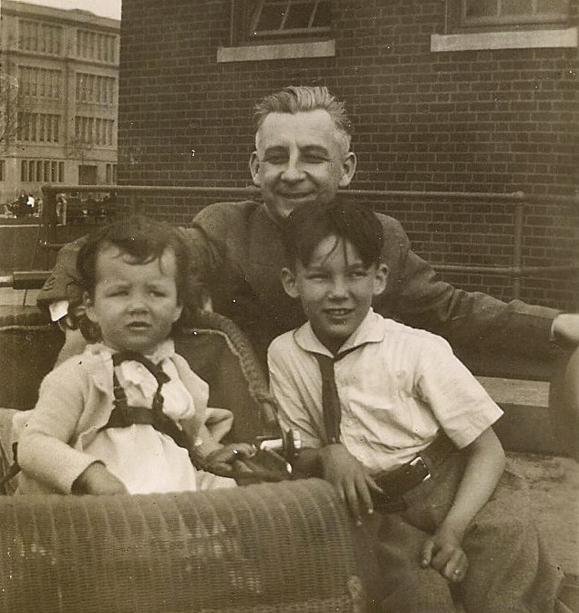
(401, 480)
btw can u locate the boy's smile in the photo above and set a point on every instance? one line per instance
(336, 289)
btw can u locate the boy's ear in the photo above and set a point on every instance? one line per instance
(380, 279)
(89, 307)
(288, 280)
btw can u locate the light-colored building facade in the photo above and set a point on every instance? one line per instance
(59, 98)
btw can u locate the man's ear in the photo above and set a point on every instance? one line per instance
(254, 168)
(288, 280)
(380, 279)
(348, 169)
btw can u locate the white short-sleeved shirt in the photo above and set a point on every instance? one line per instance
(397, 389)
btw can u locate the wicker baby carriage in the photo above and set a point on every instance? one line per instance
(266, 547)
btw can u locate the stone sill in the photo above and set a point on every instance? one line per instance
(284, 51)
(504, 40)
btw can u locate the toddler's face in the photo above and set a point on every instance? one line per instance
(335, 289)
(135, 305)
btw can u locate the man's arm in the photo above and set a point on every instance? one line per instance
(418, 297)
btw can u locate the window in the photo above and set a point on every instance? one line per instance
(38, 127)
(494, 13)
(2, 170)
(505, 24)
(96, 46)
(41, 171)
(39, 37)
(261, 21)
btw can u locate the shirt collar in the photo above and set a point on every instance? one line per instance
(370, 330)
(165, 350)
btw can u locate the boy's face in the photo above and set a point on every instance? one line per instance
(135, 305)
(335, 290)
(299, 159)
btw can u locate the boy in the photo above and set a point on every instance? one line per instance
(400, 427)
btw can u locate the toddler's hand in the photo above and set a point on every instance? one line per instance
(229, 459)
(351, 478)
(97, 479)
(444, 552)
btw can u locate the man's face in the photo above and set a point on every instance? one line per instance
(300, 159)
(335, 288)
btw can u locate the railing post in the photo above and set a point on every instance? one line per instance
(49, 217)
(518, 244)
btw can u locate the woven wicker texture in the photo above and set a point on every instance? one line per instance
(214, 346)
(272, 547)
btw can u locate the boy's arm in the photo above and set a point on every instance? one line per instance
(351, 478)
(485, 465)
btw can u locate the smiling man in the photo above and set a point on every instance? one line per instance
(303, 155)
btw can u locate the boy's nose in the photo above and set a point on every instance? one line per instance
(338, 289)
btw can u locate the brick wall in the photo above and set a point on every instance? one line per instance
(477, 121)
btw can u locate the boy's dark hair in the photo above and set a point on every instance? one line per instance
(144, 240)
(308, 225)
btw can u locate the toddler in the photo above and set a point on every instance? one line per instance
(128, 415)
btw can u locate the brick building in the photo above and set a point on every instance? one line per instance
(451, 96)
(63, 66)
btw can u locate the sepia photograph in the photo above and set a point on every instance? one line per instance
(289, 306)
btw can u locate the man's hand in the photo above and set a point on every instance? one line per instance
(98, 479)
(566, 325)
(444, 552)
(350, 477)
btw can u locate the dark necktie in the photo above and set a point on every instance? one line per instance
(331, 407)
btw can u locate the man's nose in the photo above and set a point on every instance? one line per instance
(293, 171)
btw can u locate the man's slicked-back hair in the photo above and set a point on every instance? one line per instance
(309, 225)
(303, 98)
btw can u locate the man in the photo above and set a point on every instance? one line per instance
(302, 156)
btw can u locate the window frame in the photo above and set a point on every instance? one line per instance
(459, 23)
(240, 26)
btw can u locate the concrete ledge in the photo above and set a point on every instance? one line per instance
(285, 51)
(504, 40)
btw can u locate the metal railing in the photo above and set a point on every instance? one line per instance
(516, 271)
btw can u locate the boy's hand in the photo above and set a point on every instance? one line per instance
(350, 477)
(229, 459)
(443, 552)
(98, 479)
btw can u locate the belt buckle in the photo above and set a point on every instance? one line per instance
(419, 463)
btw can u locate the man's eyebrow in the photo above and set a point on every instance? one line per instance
(315, 149)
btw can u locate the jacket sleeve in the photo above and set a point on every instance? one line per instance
(44, 450)
(419, 298)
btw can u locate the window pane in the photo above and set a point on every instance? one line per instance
(516, 7)
(271, 17)
(553, 6)
(481, 8)
(299, 14)
(322, 18)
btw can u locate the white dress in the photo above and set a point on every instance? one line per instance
(144, 459)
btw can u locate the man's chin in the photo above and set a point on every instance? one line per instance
(284, 207)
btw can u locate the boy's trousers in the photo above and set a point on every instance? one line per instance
(509, 568)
